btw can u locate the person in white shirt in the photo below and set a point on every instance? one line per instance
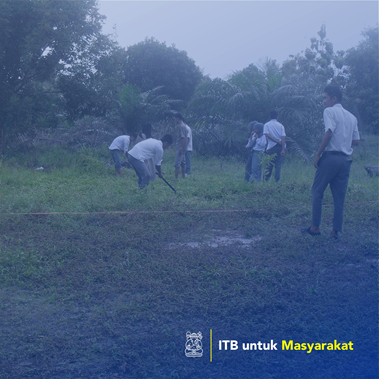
(148, 149)
(120, 143)
(146, 134)
(276, 137)
(332, 160)
(249, 151)
(181, 145)
(189, 150)
(257, 142)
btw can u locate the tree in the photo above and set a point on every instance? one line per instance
(151, 64)
(91, 85)
(137, 108)
(362, 86)
(38, 40)
(318, 62)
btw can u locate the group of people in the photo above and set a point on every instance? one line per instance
(147, 153)
(270, 139)
(332, 159)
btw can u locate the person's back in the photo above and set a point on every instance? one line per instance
(148, 149)
(275, 129)
(120, 143)
(343, 125)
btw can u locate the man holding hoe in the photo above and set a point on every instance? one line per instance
(148, 149)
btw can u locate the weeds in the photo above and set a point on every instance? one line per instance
(91, 293)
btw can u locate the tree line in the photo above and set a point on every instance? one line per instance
(57, 68)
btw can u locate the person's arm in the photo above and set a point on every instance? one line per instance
(251, 140)
(159, 171)
(283, 142)
(269, 136)
(355, 142)
(327, 137)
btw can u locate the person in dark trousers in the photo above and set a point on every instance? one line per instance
(120, 143)
(332, 160)
(189, 151)
(181, 145)
(148, 149)
(276, 144)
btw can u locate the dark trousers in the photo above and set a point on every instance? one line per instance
(188, 162)
(335, 171)
(141, 170)
(276, 161)
(248, 165)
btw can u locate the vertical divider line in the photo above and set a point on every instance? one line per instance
(210, 345)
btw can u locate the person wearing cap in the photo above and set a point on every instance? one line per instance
(120, 143)
(148, 149)
(332, 160)
(258, 143)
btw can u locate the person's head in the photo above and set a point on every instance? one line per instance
(251, 126)
(146, 130)
(178, 117)
(332, 95)
(258, 129)
(274, 114)
(166, 141)
(133, 136)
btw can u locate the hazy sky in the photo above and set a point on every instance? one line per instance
(226, 36)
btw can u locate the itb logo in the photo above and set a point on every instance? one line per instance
(194, 347)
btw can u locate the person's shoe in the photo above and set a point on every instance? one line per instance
(309, 231)
(334, 236)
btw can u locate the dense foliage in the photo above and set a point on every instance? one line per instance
(151, 64)
(362, 87)
(39, 41)
(57, 68)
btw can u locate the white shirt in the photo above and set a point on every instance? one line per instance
(275, 129)
(344, 128)
(148, 149)
(189, 147)
(260, 143)
(120, 143)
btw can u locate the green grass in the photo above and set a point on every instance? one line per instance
(87, 292)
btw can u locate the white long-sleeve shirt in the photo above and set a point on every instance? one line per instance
(148, 149)
(120, 143)
(260, 143)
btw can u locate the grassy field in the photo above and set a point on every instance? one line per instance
(101, 280)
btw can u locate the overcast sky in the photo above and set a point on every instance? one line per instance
(226, 36)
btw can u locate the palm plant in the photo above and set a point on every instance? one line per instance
(137, 108)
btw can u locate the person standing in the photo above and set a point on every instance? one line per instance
(189, 150)
(258, 143)
(249, 150)
(148, 149)
(181, 145)
(276, 136)
(332, 160)
(120, 143)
